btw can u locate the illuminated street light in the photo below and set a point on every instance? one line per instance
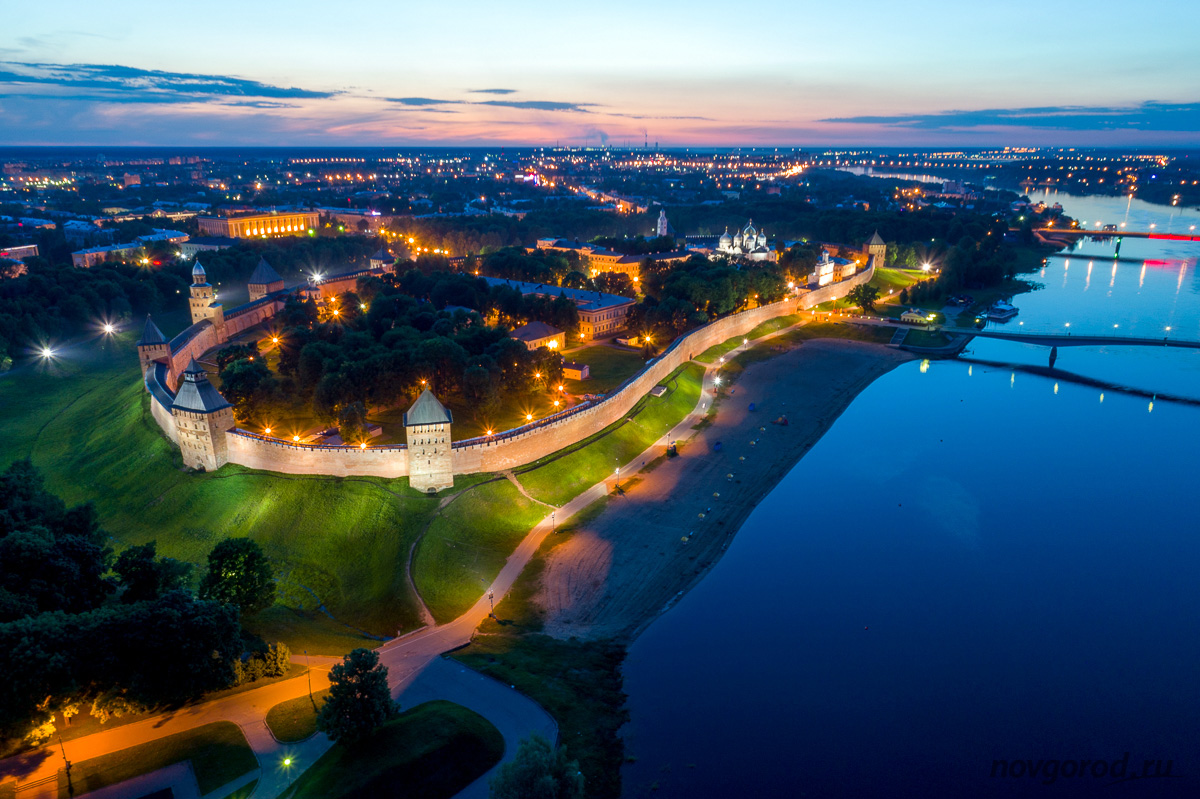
(529, 417)
(267, 430)
(295, 438)
(47, 352)
(109, 328)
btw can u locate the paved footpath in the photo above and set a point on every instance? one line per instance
(416, 673)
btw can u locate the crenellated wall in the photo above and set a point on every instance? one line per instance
(511, 448)
(191, 343)
(275, 455)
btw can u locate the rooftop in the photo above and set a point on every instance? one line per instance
(264, 274)
(535, 331)
(427, 410)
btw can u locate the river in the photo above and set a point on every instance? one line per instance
(974, 565)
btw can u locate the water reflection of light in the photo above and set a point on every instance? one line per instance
(924, 366)
(1012, 379)
(1101, 396)
(969, 370)
(1114, 275)
(1142, 276)
(1088, 283)
(1056, 388)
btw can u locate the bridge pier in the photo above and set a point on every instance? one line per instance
(1053, 356)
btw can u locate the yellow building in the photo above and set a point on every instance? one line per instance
(293, 223)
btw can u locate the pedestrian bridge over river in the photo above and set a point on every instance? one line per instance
(1072, 340)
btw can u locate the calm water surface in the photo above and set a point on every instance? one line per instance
(974, 564)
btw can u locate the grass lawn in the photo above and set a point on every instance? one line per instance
(559, 478)
(467, 544)
(888, 279)
(577, 682)
(296, 719)
(219, 755)
(86, 423)
(609, 368)
(432, 751)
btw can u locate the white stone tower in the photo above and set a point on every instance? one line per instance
(427, 430)
(202, 418)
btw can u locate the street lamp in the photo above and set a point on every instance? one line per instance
(109, 328)
(47, 353)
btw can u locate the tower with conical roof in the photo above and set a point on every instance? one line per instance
(430, 457)
(201, 303)
(263, 281)
(202, 418)
(201, 294)
(876, 248)
(152, 346)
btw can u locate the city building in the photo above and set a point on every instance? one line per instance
(832, 270)
(600, 315)
(193, 247)
(19, 251)
(290, 223)
(573, 370)
(539, 334)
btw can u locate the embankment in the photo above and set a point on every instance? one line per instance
(616, 573)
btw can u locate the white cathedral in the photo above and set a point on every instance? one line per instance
(748, 243)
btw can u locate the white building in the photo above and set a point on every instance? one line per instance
(747, 243)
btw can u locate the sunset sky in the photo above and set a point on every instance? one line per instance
(680, 73)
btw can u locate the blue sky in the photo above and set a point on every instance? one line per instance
(681, 73)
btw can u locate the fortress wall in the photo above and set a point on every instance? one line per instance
(261, 452)
(161, 413)
(527, 444)
(514, 448)
(245, 320)
(193, 342)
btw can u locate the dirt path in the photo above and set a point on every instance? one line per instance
(621, 570)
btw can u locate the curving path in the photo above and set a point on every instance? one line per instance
(416, 673)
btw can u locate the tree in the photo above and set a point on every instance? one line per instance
(239, 574)
(864, 296)
(359, 698)
(352, 423)
(144, 578)
(539, 771)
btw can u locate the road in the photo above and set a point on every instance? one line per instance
(416, 673)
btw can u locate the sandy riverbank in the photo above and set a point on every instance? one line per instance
(619, 571)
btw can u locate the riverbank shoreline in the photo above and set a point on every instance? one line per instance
(626, 566)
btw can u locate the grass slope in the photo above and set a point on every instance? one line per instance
(86, 422)
(468, 543)
(560, 478)
(578, 682)
(219, 755)
(432, 751)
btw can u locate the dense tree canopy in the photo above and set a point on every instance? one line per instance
(240, 575)
(359, 698)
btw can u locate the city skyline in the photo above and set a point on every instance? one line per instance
(677, 74)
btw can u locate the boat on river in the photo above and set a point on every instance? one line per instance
(1001, 311)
